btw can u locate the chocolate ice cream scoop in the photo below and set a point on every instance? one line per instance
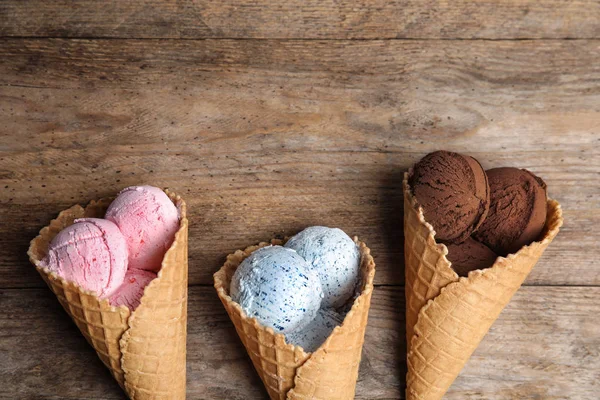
(454, 193)
(517, 210)
(469, 256)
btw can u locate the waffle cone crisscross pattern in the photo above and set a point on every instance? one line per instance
(287, 371)
(447, 316)
(144, 350)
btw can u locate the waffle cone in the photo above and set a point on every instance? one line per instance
(447, 316)
(144, 349)
(287, 371)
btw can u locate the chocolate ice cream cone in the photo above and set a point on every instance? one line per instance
(447, 316)
(287, 371)
(145, 350)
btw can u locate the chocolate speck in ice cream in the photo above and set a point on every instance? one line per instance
(454, 193)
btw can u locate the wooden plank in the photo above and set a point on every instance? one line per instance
(511, 67)
(264, 138)
(307, 19)
(545, 345)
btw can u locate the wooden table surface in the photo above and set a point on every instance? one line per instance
(271, 117)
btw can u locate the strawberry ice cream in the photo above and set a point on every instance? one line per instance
(92, 253)
(148, 220)
(131, 291)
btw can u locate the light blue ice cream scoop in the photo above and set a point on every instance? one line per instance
(334, 257)
(311, 337)
(278, 287)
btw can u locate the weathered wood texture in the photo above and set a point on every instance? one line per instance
(544, 346)
(266, 137)
(328, 19)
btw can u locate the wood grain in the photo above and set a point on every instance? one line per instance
(309, 19)
(280, 119)
(544, 346)
(266, 137)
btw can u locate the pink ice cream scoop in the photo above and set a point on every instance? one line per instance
(131, 291)
(92, 253)
(149, 220)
